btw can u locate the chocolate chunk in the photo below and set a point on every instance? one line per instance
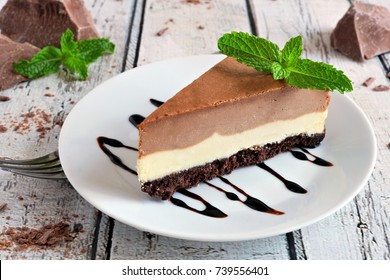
(381, 88)
(3, 207)
(41, 23)
(162, 31)
(10, 52)
(4, 98)
(369, 81)
(363, 32)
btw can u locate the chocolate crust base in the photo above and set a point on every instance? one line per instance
(166, 186)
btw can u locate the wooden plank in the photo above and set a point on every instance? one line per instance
(344, 234)
(190, 29)
(35, 203)
(372, 212)
(130, 243)
(180, 28)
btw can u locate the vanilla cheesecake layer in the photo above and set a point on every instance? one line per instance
(159, 164)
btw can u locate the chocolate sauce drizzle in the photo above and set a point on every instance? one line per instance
(211, 210)
(156, 102)
(317, 160)
(292, 186)
(250, 201)
(136, 119)
(103, 141)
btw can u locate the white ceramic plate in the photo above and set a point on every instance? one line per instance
(349, 144)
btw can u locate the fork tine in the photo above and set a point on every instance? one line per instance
(34, 166)
(34, 169)
(45, 167)
(43, 159)
(58, 175)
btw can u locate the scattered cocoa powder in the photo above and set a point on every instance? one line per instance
(27, 122)
(3, 128)
(369, 81)
(381, 88)
(388, 145)
(78, 228)
(28, 238)
(2, 207)
(162, 31)
(4, 98)
(49, 94)
(193, 1)
(200, 27)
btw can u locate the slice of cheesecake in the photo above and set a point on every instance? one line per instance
(231, 116)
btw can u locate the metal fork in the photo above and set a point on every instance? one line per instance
(45, 167)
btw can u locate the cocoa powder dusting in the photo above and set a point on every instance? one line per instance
(22, 238)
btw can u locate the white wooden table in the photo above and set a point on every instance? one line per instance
(147, 31)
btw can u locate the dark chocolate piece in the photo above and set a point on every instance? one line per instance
(381, 88)
(41, 23)
(363, 32)
(166, 186)
(10, 52)
(369, 81)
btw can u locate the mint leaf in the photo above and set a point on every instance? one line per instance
(278, 72)
(67, 42)
(286, 64)
(251, 50)
(74, 56)
(317, 75)
(46, 61)
(77, 67)
(292, 51)
(90, 50)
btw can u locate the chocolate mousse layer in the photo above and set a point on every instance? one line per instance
(166, 186)
(241, 100)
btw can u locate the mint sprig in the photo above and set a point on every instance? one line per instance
(287, 64)
(73, 56)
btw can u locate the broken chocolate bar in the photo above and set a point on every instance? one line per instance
(363, 32)
(41, 23)
(10, 52)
